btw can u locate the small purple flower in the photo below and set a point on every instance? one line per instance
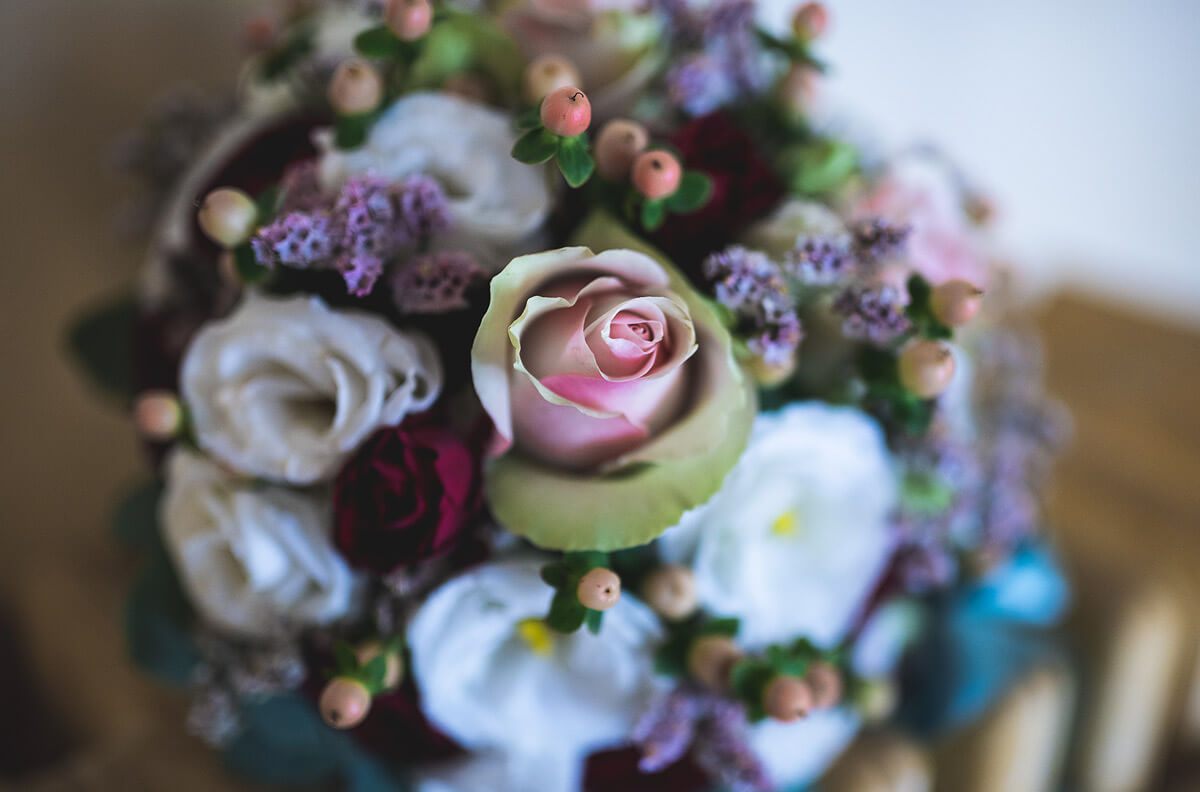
(360, 273)
(301, 189)
(872, 314)
(423, 208)
(751, 285)
(299, 239)
(876, 239)
(819, 261)
(723, 751)
(665, 733)
(699, 84)
(435, 283)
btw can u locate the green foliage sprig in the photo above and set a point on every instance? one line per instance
(567, 614)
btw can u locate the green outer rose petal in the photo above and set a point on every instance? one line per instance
(650, 488)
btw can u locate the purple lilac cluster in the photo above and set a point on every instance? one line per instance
(725, 60)
(752, 286)
(715, 727)
(369, 222)
(300, 188)
(872, 313)
(699, 84)
(436, 282)
(820, 260)
(876, 239)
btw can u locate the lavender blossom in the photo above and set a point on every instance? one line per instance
(298, 239)
(723, 751)
(872, 314)
(819, 260)
(300, 188)
(360, 272)
(876, 239)
(435, 283)
(664, 734)
(423, 207)
(751, 285)
(699, 84)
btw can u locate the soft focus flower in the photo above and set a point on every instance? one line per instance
(496, 679)
(404, 496)
(615, 49)
(466, 148)
(286, 389)
(797, 536)
(436, 282)
(744, 189)
(874, 314)
(614, 386)
(920, 193)
(254, 560)
(751, 285)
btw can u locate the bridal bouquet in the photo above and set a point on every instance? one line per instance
(546, 397)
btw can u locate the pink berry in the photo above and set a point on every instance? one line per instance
(787, 699)
(956, 302)
(656, 174)
(711, 659)
(158, 415)
(227, 216)
(926, 367)
(810, 21)
(599, 589)
(826, 684)
(356, 88)
(408, 19)
(670, 591)
(566, 111)
(344, 703)
(546, 74)
(617, 146)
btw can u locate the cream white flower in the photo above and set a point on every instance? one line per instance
(797, 536)
(254, 560)
(791, 223)
(496, 679)
(495, 201)
(795, 754)
(286, 389)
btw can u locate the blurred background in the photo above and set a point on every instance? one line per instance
(1079, 117)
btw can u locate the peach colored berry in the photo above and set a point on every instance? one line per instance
(408, 19)
(369, 650)
(810, 21)
(599, 589)
(344, 703)
(956, 302)
(671, 592)
(926, 367)
(356, 88)
(656, 174)
(566, 111)
(797, 89)
(227, 216)
(711, 659)
(617, 146)
(826, 684)
(545, 74)
(158, 415)
(787, 699)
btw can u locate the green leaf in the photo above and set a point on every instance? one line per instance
(377, 42)
(694, 191)
(373, 673)
(268, 202)
(748, 680)
(566, 612)
(583, 561)
(594, 620)
(344, 658)
(135, 521)
(575, 161)
(350, 131)
(925, 493)
(285, 56)
(535, 146)
(726, 626)
(447, 49)
(653, 214)
(819, 166)
(157, 625)
(528, 119)
(101, 341)
(247, 266)
(555, 575)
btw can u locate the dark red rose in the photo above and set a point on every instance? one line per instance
(406, 495)
(744, 190)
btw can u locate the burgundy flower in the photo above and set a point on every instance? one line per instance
(407, 494)
(744, 189)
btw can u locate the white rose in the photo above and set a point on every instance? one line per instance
(494, 678)
(791, 223)
(254, 560)
(286, 389)
(796, 754)
(797, 536)
(467, 148)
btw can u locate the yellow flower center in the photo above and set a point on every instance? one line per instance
(786, 524)
(536, 635)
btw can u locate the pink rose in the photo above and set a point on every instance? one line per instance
(605, 374)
